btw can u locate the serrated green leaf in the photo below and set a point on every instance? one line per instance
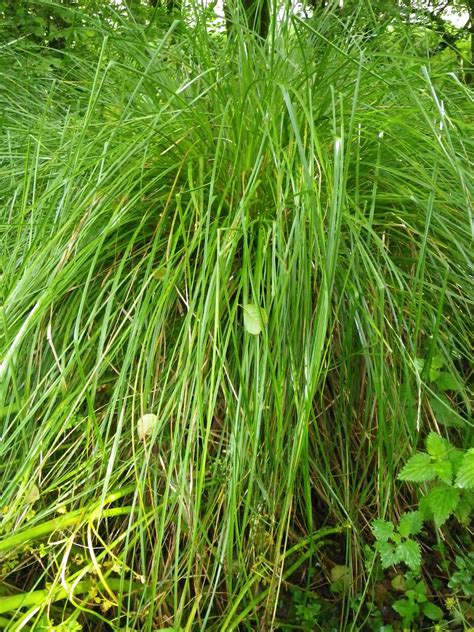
(444, 413)
(410, 553)
(410, 523)
(442, 500)
(255, 319)
(418, 469)
(465, 475)
(437, 447)
(465, 507)
(447, 382)
(388, 554)
(444, 471)
(432, 611)
(437, 362)
(382, 530)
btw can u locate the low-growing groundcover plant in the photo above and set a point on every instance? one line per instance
(221, 263)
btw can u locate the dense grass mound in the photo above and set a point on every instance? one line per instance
(148, 199)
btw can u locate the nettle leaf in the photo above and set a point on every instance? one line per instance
(418, 469)
(389, 555)
(444, 413)
(442, 500)
(465, 475)
(255, 319)
(444, 471)
(411, 523)
(447, 382)
(382, 530)
(465, 508)
(410, 553)
(437, 447)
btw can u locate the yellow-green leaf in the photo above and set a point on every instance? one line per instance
(255, 319)
(146, 424)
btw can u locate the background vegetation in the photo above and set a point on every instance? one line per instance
(235, 300)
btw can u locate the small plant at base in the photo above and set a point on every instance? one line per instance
(452, 473)
(462, 580)
(415, 602)
(307, 608)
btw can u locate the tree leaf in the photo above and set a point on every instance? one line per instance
(418, 469)
(411, 523)
(255, 319)
(146, 424)
(382, 530)
(465, 475)
(410, 553)
(442, 500)
(437, 447)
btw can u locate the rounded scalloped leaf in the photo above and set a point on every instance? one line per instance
(465, 475)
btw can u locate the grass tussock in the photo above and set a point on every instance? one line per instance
(146, 198)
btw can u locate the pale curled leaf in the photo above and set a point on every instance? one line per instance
(146, 424)
(255, 319)
(32, 495)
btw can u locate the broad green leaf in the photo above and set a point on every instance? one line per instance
(444, 413)
(255, 319)
(444, 471)
(437, 447)
(146, 424)
(447, 382)
(465, 507)
(406, 609)
(382, 529)
(465, 475)
(411, 523)
(433, 612)
(418, 469)
(389, 556)
(399, 583)
(442, 500)
(410, 553)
